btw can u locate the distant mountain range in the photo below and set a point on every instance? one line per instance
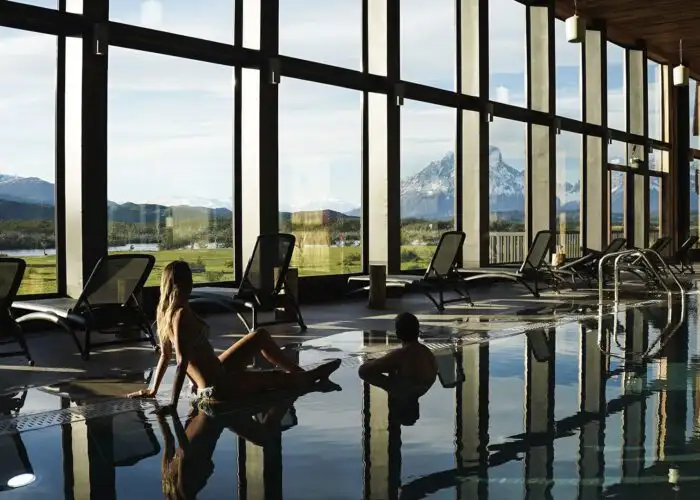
(428, 194)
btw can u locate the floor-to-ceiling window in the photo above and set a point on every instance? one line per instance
(507, 54)
(170, 183)
(617, 101)
(568, 192)
(427, 179)
(568, 74)
(320, 172)
(28, 155)
(507, 163)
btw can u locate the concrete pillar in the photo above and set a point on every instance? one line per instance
(541, 142)
(539, 414)
(383, 136)
(595, 180)
(633, 425)
(259, 129)
(637, 106)
(473, 128)
(263, 469)
(592, 400)
(381, 438)
(85, 133)
(472, 425)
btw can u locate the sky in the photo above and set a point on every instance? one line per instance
(171, 120)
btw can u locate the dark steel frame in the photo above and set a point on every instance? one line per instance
(62, 24)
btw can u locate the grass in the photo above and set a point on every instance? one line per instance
(213, 265)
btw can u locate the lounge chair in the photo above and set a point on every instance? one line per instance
(440, 276)
(636, 265)
(263, 286)
(534, 268)
(586, 268)
(11, 274)
(681, 261)
(108, 304)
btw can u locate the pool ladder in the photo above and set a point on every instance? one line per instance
(641, 253)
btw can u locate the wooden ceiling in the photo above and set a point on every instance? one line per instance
(658, 23)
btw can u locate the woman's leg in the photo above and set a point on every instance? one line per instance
(240, 354)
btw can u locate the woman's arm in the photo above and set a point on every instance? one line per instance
(166, 352)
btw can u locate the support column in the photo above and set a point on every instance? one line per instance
(539, 413)
(383, 135)
(262, 466)
(673, 403)
(680, 162)
(259, 127)
(381, 438)
(541, 142)
(595, 189)
(638, 215)
(592, 400)
(473, 128)
(633, 425)
(472, 425)
(85, 132)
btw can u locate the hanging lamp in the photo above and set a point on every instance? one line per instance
(680, 72)
(575, 27)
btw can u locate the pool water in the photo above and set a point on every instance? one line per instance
(595, 408)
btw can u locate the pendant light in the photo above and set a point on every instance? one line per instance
(680, 72)
(575, 27)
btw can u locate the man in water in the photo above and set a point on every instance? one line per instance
(410, 367)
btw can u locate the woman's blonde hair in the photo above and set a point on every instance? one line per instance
(175, 286)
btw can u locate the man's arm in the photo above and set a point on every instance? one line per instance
(387, 364)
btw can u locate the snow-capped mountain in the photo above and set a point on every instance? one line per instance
(26, 189)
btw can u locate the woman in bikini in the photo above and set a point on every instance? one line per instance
(222, 377)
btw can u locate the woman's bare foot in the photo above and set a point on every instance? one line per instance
(324, 371)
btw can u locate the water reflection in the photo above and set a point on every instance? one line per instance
(15, 468)
(610, 408)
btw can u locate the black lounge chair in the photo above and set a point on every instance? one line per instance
(534, 268)
(635, 264)
(586, 268)
(681, 261)
(263, 287)
(11, 274)
(440, 276)
(108, 304)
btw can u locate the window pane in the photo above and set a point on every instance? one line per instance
(694, 199)
(49, 4)
(568, 71)
(655, 209)
(428, 135)
(428, 42)
(618, 199)
(320, 155)
(655, 96)
(694, 122)
(569, 193)
(27, 155)
(171, 161)
(617, 153)
(617, 108)
(507, 54)
(325, 31)
(507, 162)
(215, 22)
(635, 155)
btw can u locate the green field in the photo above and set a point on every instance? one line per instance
(217, 264)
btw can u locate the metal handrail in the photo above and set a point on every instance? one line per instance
(641, 254)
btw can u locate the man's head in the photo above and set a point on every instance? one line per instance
(407, 327)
